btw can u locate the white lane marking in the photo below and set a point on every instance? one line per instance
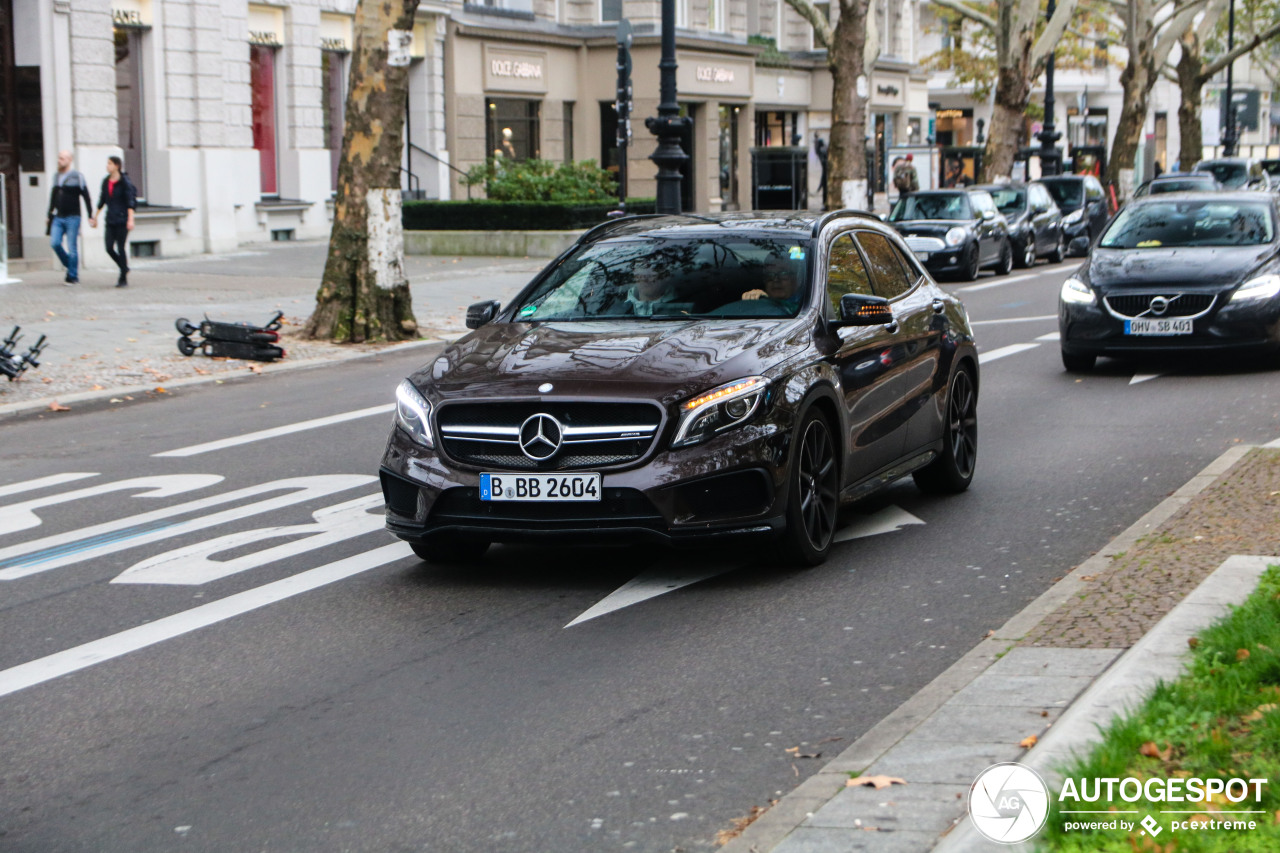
(97, 651)
(301, 426)
(63, 549)
(1144, 377)
(887, 520)
(193, 565)
(41, 483)
(1003, 281)
(1013, 320)
(22, 516)
(651, 584)
(1052, 336)
(1012, 349)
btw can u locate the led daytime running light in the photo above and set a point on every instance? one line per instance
(721, 393)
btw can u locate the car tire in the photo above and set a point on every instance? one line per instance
(1077, 363)
(1004, 266)
(446, 548)
(1026, 257)
(1059, 253)
(969, 271)
(813, 494)
(952, 472)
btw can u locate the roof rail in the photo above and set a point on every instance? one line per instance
(821, 221)
(599, 230)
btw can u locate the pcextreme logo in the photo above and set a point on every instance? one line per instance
(1009, 803)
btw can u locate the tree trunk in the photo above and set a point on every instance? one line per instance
(364, 295)
(846, 157)
(1013, 92)
(1136, 80)
(1190, 82)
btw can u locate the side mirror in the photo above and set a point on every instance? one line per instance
(482, 313)
(1079, 246)
(857, 309)
(988, 214)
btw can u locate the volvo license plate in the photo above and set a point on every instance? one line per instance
(1172, 326)
(540, 487)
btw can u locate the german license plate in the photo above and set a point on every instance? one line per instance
(1173, 326)
(540, 487)
(924, 256)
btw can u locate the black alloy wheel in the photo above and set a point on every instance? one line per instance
(1028, 254)
(446, 548)
(814, 498)
(971, 264)
(1005, 265)
(952, 471)
(1059, 252)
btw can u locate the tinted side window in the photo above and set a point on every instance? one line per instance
(845, 272)
(888, 278)
(1092, 189)
(982, 202)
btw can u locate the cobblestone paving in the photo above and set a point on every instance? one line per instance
(1238, 514)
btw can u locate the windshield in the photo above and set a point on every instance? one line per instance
(1068, 194)
(1171, 224)
(652, 278)
(1009, 200)
(1230, 175)
(1182, 185)
(948, 206)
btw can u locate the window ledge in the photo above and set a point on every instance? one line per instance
(282, 204)
(160, 211)
(478, 9)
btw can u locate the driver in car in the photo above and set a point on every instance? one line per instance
(779, 288)
(648, 291)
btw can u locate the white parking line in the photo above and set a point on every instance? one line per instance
(97, 651)
(41, 483)
(1012, 349)
(1144, 377)
(1052, 336)
(301, 426)
(1013, 279)
(1014, 320)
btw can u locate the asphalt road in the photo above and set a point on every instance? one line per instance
(335, 695)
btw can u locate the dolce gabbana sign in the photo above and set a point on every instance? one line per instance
(514, 70)
(713, 74)
(706, 74)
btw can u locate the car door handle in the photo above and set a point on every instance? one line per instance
(939, 306)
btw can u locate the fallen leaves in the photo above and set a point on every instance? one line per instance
(877, 782)
(1242, 655)
(55, 406)
(1193, 642)
(796, 753)
(255, 368)
(724, 836)
(1028, 741)
(1150, 750)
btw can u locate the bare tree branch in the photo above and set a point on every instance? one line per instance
(1173, 29)
(1240, 50)
(966, 12)
(1052, 33)
(821, 26)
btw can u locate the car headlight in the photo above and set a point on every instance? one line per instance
(956, 236)
(1262, 287)
(1073, 217)
(413, 414)
(719, 409)
(1075, 290)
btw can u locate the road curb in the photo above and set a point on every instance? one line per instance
(769, 830)
(43, 403)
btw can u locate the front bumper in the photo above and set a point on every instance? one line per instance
(733, 485)
(1072, 230)
(1245, 328)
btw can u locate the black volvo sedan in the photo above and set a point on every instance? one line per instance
(1179, 272)
(684, 378)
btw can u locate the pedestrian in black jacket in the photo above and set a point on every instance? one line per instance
(69, 187)
(120, 198)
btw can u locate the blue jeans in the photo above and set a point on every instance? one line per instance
(69, 225)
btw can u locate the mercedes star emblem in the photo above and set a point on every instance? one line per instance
(540, 437)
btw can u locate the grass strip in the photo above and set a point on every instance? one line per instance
(1220, 719)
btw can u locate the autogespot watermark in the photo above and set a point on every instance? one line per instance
(1009, 803)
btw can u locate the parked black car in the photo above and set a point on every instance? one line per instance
(1179, 182)
(1083, 204)
(1180, 272)
(1237, 173)
(686, 378)
(1272, 168)
(1035, 223)
(957, 231)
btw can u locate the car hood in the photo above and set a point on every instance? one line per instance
(663, 360)
(1191, 268)
(929, 227)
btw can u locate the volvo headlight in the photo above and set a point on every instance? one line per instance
(1075, 290)
(1262, 287)
(1073, 217)
(413, 414)
(719, 409)
(955, 236)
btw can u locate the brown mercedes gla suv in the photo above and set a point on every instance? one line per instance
(681, 378)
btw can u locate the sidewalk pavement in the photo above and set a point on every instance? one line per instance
(118, 342)
(1088, 649)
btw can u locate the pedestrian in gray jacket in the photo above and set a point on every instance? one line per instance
(64, 215)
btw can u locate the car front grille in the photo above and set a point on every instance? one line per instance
(1176, 304)
(925, 244)
(593, 435)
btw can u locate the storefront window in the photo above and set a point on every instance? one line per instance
(332, 107)
(1089, 129)
(262, 83)
(129, 104)
(954, 127)
(729, 157)
(777, 128)
(512, 128)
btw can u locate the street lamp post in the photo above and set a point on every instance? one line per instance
(1229, 135)
(1050, 157)
(668, 125)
